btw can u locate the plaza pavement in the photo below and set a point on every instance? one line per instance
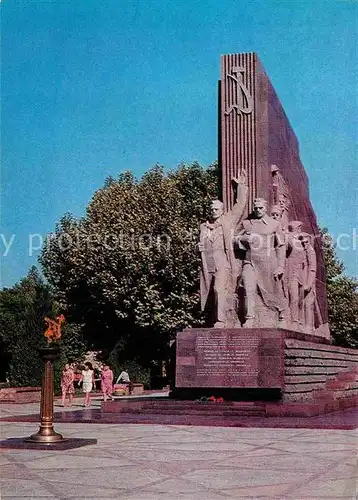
(169, 462)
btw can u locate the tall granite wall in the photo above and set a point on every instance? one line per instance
(255, 133)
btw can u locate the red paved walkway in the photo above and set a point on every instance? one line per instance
(347, 419)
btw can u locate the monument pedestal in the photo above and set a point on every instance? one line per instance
(263, 364)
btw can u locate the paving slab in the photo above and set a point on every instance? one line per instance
(170, 462)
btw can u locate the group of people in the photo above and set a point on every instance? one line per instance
(269, 257)
(87, 379)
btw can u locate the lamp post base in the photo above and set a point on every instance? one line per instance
(45, 436)
(46, 433)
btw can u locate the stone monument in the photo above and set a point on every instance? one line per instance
(295, 262)
(219, 272)
(262, 272)
(264, 252)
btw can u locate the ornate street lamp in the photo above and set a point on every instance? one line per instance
(49, 354)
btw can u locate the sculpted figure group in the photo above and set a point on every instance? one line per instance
(259, 271)
(219, 267)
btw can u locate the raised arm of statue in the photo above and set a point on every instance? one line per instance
(311, 268)
(281, 254)
(240, 192)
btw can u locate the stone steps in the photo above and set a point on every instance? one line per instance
(330, 395)
(20, 395)
(319, 372)
(179, 407)
(351, 376)
(341, 384)
(346, 393)
(195, 411)
(174, 403)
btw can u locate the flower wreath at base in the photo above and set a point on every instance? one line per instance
(213, 399)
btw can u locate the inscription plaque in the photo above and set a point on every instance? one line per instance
(224, 355)
(228, 358)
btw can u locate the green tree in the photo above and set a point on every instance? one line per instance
(342, 297)
(22, 311)
(128, 270)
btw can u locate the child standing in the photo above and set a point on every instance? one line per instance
(87, 382)
(107, 382)
(67, 386)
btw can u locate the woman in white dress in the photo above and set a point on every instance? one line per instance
(87, 382)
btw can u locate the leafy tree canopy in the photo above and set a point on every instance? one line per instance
(342, 297)
(128, 270)
(22, 311)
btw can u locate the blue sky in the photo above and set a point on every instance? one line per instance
(92, 88)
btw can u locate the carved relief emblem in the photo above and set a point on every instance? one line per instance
(244, 101)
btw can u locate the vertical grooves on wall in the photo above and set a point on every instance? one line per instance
(219, 140)
(254, 131)
(238, 129)
(245, 118)
(222, 139)
(236, 118)
(228, 103)
(241, 132)
(227, 151)
(231, 135)
(249, 117)
(238, 139)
